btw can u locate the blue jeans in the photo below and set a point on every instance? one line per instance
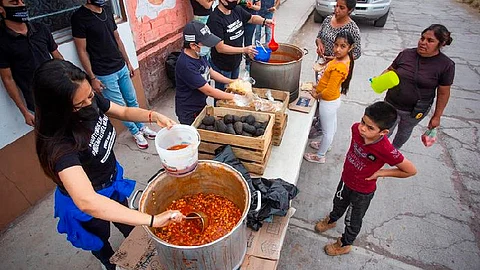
(229, 74)
(119, 89)
(268, 30)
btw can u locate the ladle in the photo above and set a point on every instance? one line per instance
(272, 44)
(198, 215)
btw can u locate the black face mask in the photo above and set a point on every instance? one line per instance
(230, 5)
(89, 113)
(98, 3)
(16, 14)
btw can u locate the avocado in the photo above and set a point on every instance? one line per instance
(230, 129)
(238, 126)
(249, 128)
(208, 120)
(228, 118)
(257, 125)
(243, 119)
(259, 132)
(250, 119)
(236, 118)
(202, 126)
(246, 134)
(220, 126)
(210, 128)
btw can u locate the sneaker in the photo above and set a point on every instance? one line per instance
(140, 140)
(148, 133)
(336, 248)
(323, 225)
(312, 157)
(316, 145)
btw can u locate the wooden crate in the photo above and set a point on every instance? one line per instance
(252, 151)
(280, 116)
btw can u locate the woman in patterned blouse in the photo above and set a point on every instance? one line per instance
(333, 24)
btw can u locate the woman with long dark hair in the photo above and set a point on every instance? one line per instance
(425, 73)
(74, 141)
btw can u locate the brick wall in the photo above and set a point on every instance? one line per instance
(155, 37)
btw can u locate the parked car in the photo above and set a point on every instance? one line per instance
(376, 10)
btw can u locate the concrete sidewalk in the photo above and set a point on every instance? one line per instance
(32, 242)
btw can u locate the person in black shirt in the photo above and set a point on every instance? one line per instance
(106, 62)
(201, 10)
(74, 140)
(23, 47)
(227, 22)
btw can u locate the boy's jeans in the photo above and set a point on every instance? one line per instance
(119, 89)
(268, 30)
(357, 204)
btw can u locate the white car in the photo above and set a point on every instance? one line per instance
(376, 10)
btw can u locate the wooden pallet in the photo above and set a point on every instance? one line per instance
(280, 116)
(252, 151)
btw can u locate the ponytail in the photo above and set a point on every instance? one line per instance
(346, 83)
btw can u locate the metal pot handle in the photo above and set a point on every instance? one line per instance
(305, 51)
(156, 174)
(259, 200)
(131, 203)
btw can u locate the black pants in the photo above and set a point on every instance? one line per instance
(357, 204)
(101, 228)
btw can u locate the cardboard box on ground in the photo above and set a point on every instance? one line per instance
(138, 251)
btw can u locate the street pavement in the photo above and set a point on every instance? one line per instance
(431, 220)
(32, 242)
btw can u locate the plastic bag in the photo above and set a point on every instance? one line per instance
(170, 66)
(429, 137)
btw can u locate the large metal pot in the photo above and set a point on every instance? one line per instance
(227, 252)
(282, 71)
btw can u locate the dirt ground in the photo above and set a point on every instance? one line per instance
(473, 3)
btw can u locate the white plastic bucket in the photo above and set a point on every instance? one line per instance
(183, 161)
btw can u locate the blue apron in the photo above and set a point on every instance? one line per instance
(70, 217)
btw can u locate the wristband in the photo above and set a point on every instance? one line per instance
(150, 117)
(151, 221)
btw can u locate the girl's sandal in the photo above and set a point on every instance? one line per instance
(312, 157)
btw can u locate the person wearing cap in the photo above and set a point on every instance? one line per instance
(228, 22)
(24, 46)
(193, 73)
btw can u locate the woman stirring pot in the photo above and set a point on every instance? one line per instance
(424, 72)
(74, 141)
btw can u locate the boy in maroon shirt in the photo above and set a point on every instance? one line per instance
(369, 150)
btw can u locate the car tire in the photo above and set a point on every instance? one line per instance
(317, 17)
(382, 20)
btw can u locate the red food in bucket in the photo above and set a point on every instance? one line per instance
(178, 146)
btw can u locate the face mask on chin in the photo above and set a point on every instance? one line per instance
(230, 5)
(98, 3)
(16, 14)
(89, 113)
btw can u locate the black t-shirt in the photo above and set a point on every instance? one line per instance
(432, 72)
(190, 74)
(102, 48)
(98, 160)
(199, 10)
(230, 29)
(23, 54)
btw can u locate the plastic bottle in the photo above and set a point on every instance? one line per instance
(385, 81)
(429, 137)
